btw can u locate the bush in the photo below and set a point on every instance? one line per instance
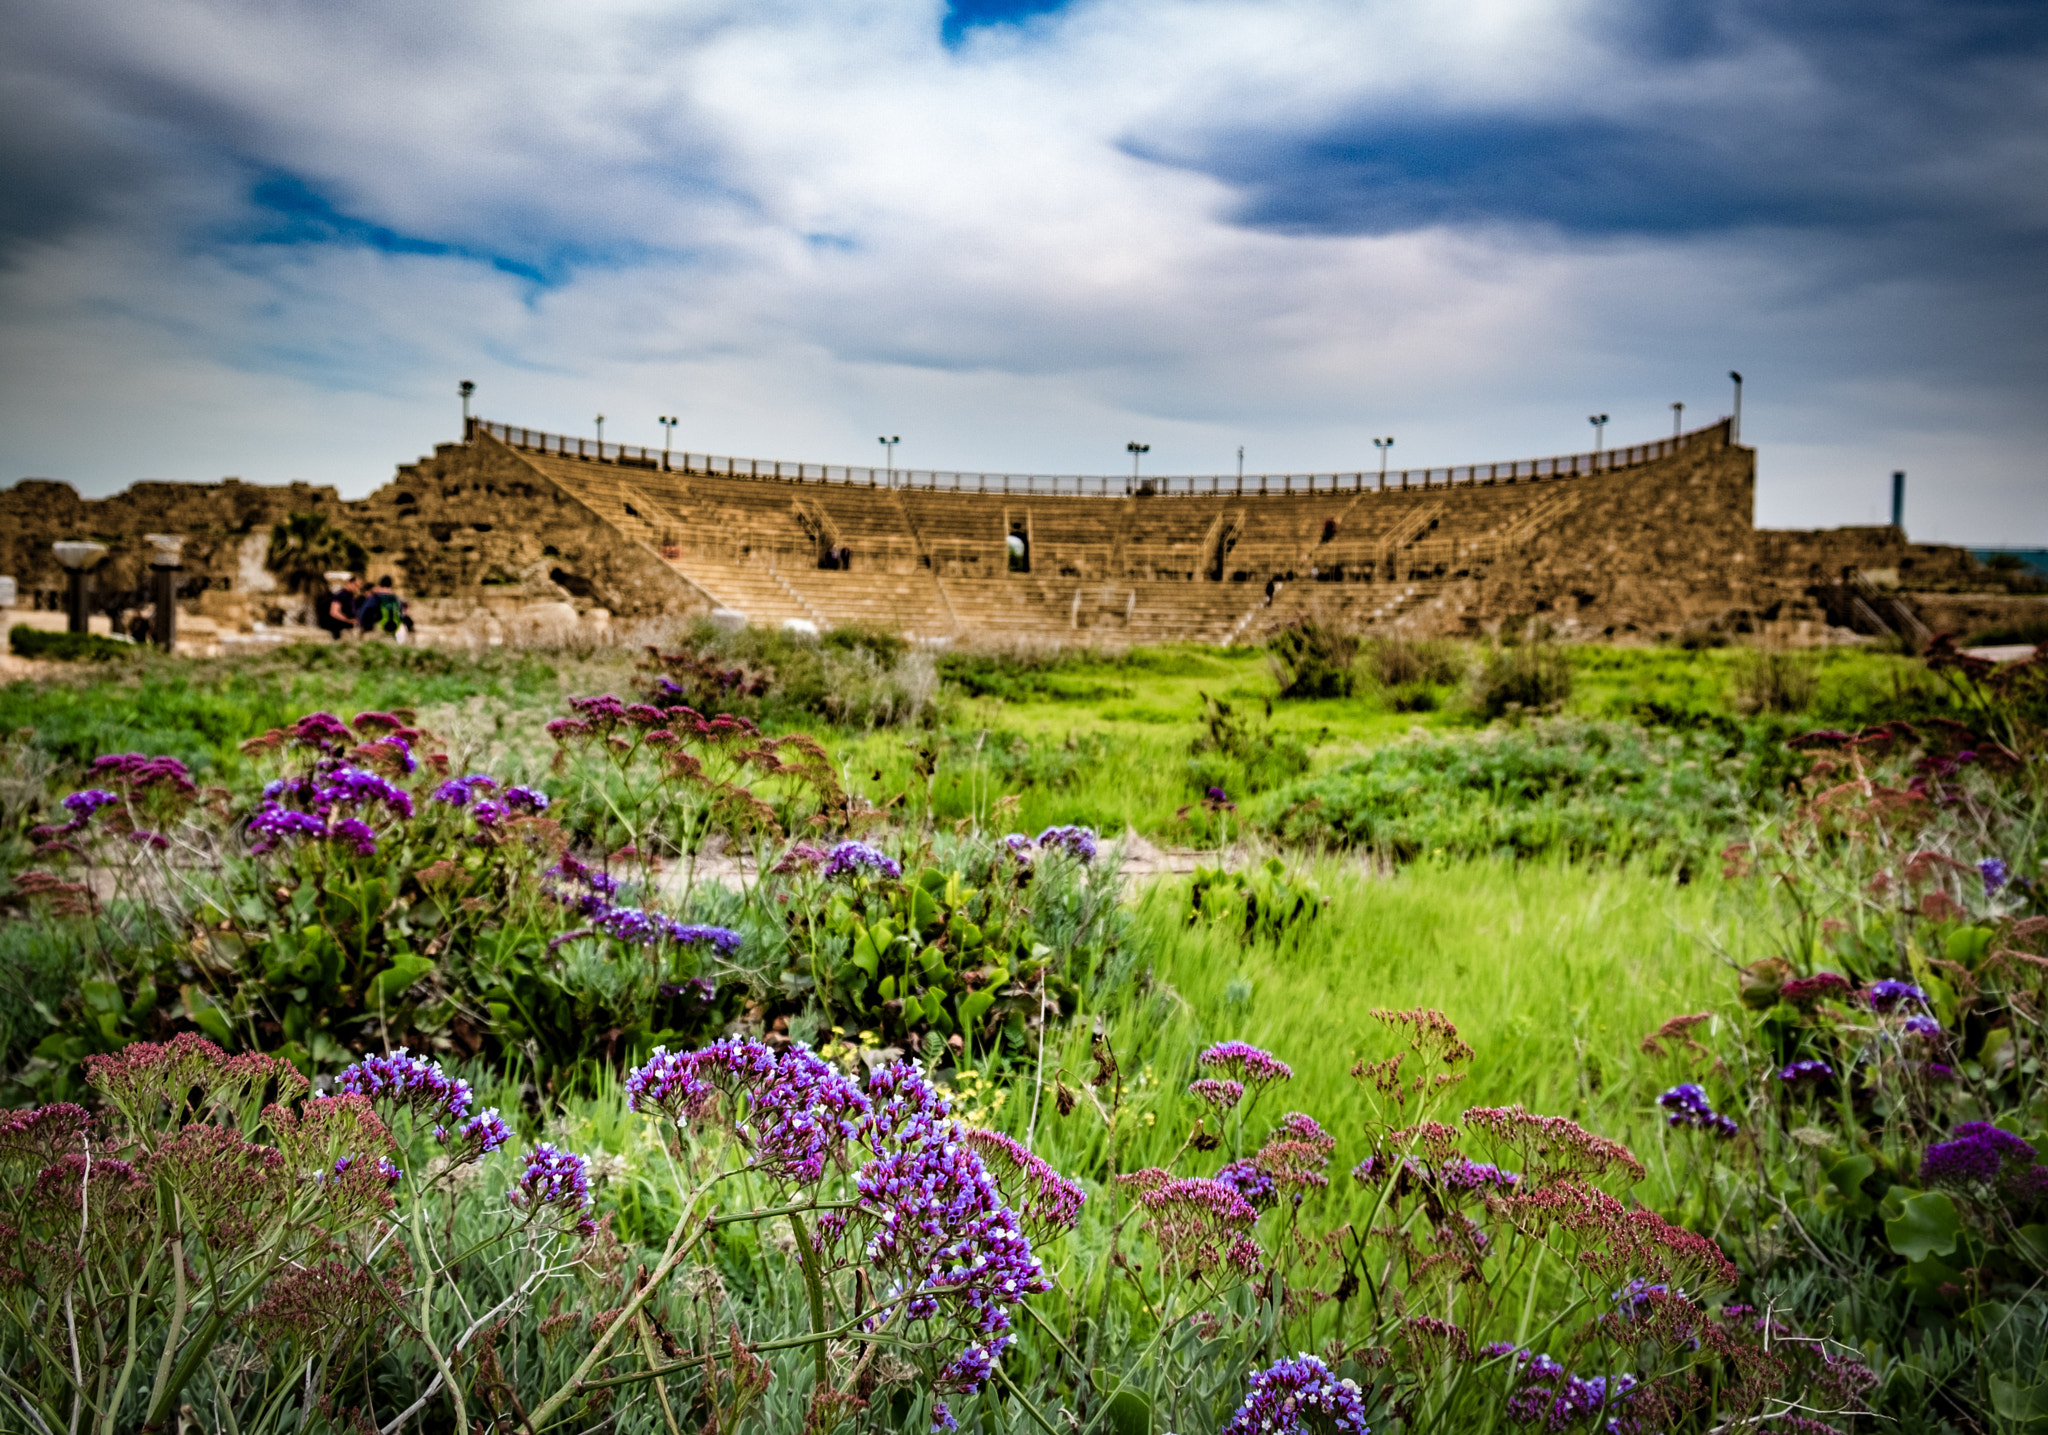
(1405, 662)
(1534, 677)
(30, 642)
(1559, 786)
(1774, 682)
(1312, 661)
(2032, 630)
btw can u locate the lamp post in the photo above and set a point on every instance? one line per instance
(163, 582)
(889, 450)
(668, 424)
(1240, 468)
(1677, 417)
(600, 438)
(1735, 434)
(1383, 444)
(79, 557)
(1136, 449)
(465, 388)
(1599, 423)
(1899, 500)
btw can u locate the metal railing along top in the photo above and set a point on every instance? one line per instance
(1093, 485)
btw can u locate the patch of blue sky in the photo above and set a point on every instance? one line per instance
(291, 212)
(965, 15)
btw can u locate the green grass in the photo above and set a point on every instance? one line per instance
(1553, 972)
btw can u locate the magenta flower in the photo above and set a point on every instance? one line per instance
(1246, 1063)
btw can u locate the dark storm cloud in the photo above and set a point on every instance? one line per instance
(1691, 119)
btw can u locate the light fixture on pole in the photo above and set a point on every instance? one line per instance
(1599, 423)
(1383, 444)
(1735, 432)
(1136, 449)
(163, 571)
(465, 388)
(1240, 466)
(1677, 417)
(79, 557)
(889, 447)
(600, 435)
(668, 433)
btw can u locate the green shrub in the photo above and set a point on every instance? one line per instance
(1313, 661)
(1559, 786)
(1406, 662)
(1774, 682)
(1532, 677)
(30, 642)
(2031, 630)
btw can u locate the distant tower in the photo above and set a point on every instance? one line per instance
(1899, 499)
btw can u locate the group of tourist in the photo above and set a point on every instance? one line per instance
(364, 608)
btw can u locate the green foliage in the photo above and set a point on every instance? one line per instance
(1410, 662)
(304, 547)
(1559, 786)
(1313, 661)
(30, 642)
(1236, 752)
(1527, 678)
(1769, 681)
(1267, 903)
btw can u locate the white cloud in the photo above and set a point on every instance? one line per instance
(799, 225)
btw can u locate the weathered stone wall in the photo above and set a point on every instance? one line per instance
(478, 522)
(222, 523)
(1643, 552)
(476, 535)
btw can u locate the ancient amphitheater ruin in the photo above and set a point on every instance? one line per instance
(1640, 543)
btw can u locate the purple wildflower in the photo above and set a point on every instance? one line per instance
(526, 799)
(1246, 1063)
(1046, 1202)
(1249, 1180)
(942, 1418)
(480, 1135)
(1018, 846)
(82, 805)
(134, 769)
(1297, 1397)
(1550, 1394)
(1889, 995)
(1077, 842)
(488, 814)
(1995, 874)
(405, 1082)
(1462, 1176)
(1223, 1095)
(554, 1181)
(357, 833)
(848, 859)
(1688, 1105)
(793, 1110)
(460, 791)
(1921, 1025)
(942, 1239)
(1811, 1071)
(1975, 1156)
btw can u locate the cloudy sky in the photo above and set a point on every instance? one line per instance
(267, 237)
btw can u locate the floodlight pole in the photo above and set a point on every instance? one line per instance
(1383, 444)
(1677, 418)
(889, 447)
(668, 433)
(1599, 423)
(600, 438)
(465, 388)
(1134, 448)
(1735, 432)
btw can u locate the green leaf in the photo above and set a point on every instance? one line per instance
(1927, 1226)
(395, 980)
(2032, 1244)
(888, 987)
(973, 1006)
(1847, 1175)
(866, 955)
(2027, 1404)
(932, 960)
(145, 1000)
(924, 910)
(205, 1013)
(913, 1010)
(101, 997)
